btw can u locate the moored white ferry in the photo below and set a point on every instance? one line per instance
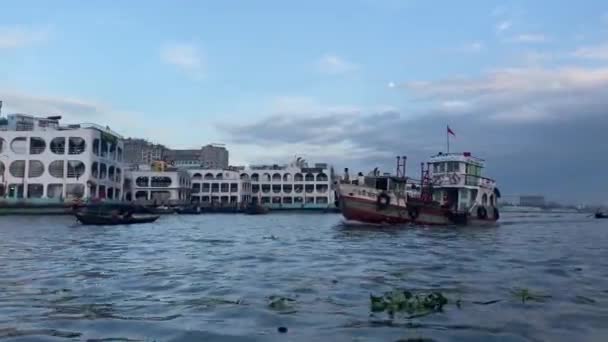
(451, 191)
(46, 164)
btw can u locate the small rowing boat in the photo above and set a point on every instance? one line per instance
(114, 220)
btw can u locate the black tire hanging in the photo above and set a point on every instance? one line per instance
(482, 213)
(383, 201)
(413, 213)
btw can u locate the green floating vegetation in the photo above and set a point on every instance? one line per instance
(406, 301)
(281, 303)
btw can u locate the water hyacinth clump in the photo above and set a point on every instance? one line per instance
(405, 301)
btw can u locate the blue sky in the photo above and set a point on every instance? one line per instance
(185, 73)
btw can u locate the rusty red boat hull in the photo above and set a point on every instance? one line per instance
(367, 211)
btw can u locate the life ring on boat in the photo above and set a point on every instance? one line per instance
(383, 201)
(482, 213)
(413, 213)
(496, 213)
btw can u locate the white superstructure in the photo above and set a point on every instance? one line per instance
(42, 161)
(219, 188)
(292, 186)
(157, 187)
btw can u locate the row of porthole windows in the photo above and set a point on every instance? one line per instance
(266, 177)
(75, 168)
(157, 182)
(75, 145)
(216, 187)
(37, 190)
(268, 199)
(288, 188)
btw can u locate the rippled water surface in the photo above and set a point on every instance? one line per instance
(210, 277)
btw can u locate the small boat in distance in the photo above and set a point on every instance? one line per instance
(601, 215)
(451, 191)
(256, 209)
(109, 219)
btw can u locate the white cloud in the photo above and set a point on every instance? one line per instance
(520, 94)
(185, 56)
(333, 64)
(530, 38)
(18, 37)
(503, 26)
(599, 52)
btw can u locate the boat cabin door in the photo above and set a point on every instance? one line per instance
(450, 198)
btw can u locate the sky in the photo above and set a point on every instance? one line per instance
(523, 84)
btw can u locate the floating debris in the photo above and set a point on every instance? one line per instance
(488, 302)
(282, 330)
(405, 301)
(527, 295)
(281, 303)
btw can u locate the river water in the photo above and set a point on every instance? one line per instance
(212, 278)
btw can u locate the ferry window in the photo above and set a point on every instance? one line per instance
(35, 190)
(54, 190)
(37, 145)
(441, 167)
(56, 169)
(74, 190)
(287, 188)
(17, 168)
(436, 167)
(298, 177)
(224, 187)
(76, 145)
(309, 188)
(453, 166)
(382, 184)
(2, 144)
(321, 177)
(19, 145)
(95, 146)
(276, 188)
(35, 169)
(309, 177)
(215, 187)
(234, 187)
(206, 187)
(76, 169)
(276, 177)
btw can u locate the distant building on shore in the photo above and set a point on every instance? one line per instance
(211, 156)
(141, 151)
(532, 201)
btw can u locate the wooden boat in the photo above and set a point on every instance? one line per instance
(192, 210)
(113, 220)
(601, 215)
(256, 209)
(451, 192)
